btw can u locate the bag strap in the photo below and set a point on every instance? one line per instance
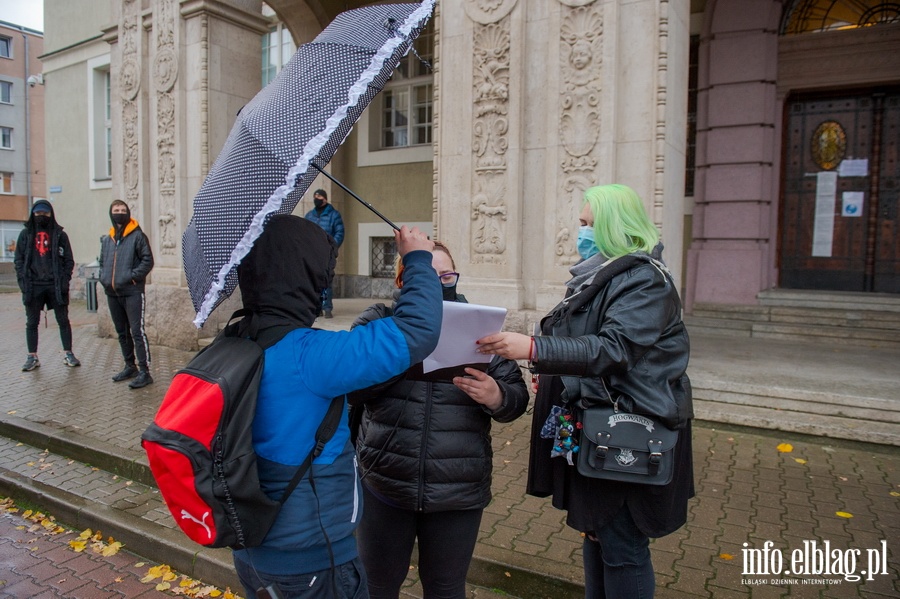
(323, 436)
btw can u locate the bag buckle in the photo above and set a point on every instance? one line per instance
(654, 445)
(602, 445)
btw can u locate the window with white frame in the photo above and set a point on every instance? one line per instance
(277, 49)
(5, 46)
(100, 138)
(407, 100)
(5, 92)
(6, 183)
(6, 138)
(397, 126)
(9, 235)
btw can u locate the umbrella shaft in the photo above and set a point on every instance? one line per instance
(361, 201)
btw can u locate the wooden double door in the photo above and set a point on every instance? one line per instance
(839, 221)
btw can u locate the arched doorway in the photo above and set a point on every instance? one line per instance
(839, 227)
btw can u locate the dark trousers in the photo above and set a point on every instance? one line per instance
(446, 541)
(127, 314)
(346, 581)
(45, 295)
(617, 564)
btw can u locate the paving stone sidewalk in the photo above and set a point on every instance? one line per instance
(748, 492)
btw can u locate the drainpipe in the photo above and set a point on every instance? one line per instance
(27, 128)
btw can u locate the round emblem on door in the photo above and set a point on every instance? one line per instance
(828, 145)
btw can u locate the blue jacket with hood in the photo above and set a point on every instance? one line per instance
(281, 280)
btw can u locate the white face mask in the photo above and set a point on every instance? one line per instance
(586, 245)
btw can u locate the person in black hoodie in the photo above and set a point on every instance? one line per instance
(44, 266)
(125, 262)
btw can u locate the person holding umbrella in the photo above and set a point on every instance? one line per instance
(311, 551)
(616, 339)
(327, 216)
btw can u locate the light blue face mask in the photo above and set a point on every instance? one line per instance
(586, 245)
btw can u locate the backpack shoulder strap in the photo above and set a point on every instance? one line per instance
(323, 436)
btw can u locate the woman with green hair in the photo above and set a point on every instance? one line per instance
(616, 339)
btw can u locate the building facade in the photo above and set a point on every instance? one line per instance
(22, 173)
(708, 109)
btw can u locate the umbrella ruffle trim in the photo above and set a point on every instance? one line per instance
(310, 151)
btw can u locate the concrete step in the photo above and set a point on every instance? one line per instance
(879, 302)
(85, 483)
(718, 326)
(833, 415)
(858, 337)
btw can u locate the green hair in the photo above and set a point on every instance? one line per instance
(621, 225)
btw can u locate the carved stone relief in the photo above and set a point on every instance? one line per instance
(490, 141)
(659, 157)
(485, 12)
(580, 39)
(129, 86)
(165, 73)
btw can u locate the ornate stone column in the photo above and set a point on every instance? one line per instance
(178, 62)
(556, 97)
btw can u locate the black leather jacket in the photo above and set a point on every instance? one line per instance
(426, 446)
(632, 335)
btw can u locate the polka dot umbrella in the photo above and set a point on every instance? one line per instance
(285, 134)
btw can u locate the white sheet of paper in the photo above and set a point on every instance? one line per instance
(823, 224)
(462, 326)
(854, 168)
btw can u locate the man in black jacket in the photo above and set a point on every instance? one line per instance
(125, 262)
(44, 265)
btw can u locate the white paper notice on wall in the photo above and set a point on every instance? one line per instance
(823, 227)
(852, 203)
(851, 167)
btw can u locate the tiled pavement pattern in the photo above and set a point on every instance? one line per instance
(747, 491)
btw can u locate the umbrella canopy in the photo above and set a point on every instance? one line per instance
(298, 120)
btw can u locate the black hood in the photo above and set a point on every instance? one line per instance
(283, 276)
(44, 204)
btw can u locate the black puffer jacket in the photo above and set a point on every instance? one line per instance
(125, 260)
(426, 446)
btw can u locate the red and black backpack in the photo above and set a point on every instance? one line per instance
(200, 445)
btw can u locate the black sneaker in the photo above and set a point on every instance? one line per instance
(141, 380)
(71, 360)
(31, 362)
(127, 373)
(328, 314)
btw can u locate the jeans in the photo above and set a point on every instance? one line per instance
(127, 312)
(45, 295)
(446, 541)
(617, 565)
(327, 304)
(346, 581)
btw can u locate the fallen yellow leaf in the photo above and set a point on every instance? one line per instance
(163, 586)
(727, 556)
(78, 546)
(111, 549)
(215, 593)
(844, 514)
(785, 447)
(139, 565)
(800, 460)
(86, 534)
(118, 579)
(27, 513)
(169, 576)
(187, 582)
(895, 494)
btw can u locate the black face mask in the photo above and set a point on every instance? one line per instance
(120, 219)
(319, 203)
(449, 293)
(42, 221)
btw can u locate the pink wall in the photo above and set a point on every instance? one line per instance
(732, 255)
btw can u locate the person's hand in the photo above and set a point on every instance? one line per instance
(411, 240)
(514, 346)
(482, 388)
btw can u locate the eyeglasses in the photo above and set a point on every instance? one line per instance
(449, 279)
